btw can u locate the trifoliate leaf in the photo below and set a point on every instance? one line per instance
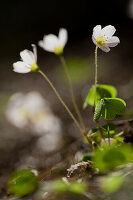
(22, 182)
(112, 107)
(109, 108)
(102, 91)
(112, 156)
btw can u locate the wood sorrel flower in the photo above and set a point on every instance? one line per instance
(54, 44)
(28, 63)
(32, 111)
(103, 37)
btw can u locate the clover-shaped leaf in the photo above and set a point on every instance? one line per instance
(102, 91)
(22, 182)
(109, 108)
(113, 107)
(109, 157)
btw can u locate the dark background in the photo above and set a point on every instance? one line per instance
(23, 22)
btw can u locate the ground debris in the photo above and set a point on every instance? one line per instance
(78, 168)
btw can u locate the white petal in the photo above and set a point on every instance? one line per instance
(41, 44)
(63, 36)
(28, 57)
(34, 51)
(108, 31)
(20, 67)
(97, 31)
(94, 40)
(50, 42)
(105, 48)
(113, 41)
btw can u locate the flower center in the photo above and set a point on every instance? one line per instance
(23, 112)
(101, 41)
(34, 67)
(58, 50)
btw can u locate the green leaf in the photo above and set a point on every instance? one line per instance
(74, 187)
(112, 107)
(77, 188)
(92, 132)
(119, 139)
(112, 182)
(98, 110)
(109, 108)
(87, 156)
(22, 182)
(112, 156)
(112, 127)
(112, 131)
(102, 91)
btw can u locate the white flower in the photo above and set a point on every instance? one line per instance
(103, 37)
(28, 63)
(32, 112)
(25, 109)
(54, 44)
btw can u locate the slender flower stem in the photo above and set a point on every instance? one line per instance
(96, 67)
(100, 130)
(61, 100)
(108, 132)
(72, 92)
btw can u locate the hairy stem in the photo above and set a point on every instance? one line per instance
(108, 132)
(72, 92)
(61, 100)
(96, 69)
(100, 130)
